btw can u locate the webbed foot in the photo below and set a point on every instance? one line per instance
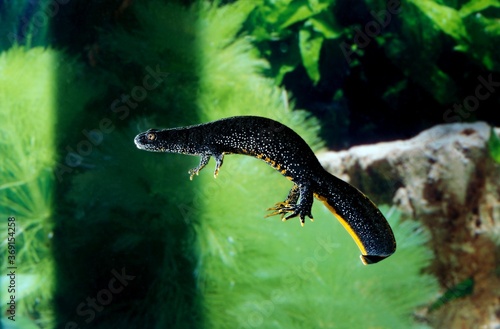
(281, 208)
(293, 205)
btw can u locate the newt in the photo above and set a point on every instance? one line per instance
(284, 150)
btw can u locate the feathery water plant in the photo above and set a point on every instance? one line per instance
(28, 155)
(31, 119)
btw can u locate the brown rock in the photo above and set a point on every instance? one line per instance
(445, 178)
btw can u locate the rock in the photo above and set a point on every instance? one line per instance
(445, 178)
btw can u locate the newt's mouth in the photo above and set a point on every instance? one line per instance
(143, 143)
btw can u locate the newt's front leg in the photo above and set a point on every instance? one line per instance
(203, 162)
(205, 158)
(298, 202)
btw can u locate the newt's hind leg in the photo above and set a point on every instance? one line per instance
(281, 208)
(298, 202)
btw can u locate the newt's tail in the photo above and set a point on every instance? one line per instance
(360, 217)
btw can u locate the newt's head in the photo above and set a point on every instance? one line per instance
(174, 140)
(149, 141)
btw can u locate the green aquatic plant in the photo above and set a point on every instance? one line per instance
(300, 26)
(26, 193)
(126, 211)
(494, 145)
(461, 289)
(30, 116)
(399, 51)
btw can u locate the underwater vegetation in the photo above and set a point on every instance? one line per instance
(33, 127)
(28, 149)
(305, 25)
(111, 237)
(494, 146)
(416, 63)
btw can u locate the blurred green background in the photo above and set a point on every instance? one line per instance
(112, 237)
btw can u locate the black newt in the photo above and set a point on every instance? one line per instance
(288, 153)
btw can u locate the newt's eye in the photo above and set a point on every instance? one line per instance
(151, 136)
